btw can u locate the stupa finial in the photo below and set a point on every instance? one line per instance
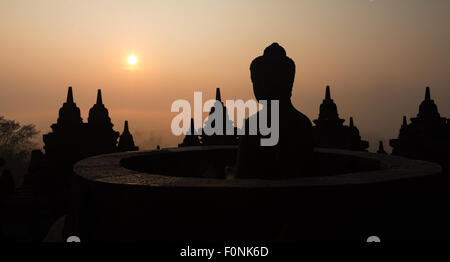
(99, 97)
(69, 95)
(327, 93)
(125, 127)
(218, 97)
(427, 94)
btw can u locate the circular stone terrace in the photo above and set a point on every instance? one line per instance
(135, 168)
(183, 194)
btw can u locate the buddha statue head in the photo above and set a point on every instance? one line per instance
(273, 74)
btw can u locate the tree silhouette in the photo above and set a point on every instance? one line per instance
(16, 143)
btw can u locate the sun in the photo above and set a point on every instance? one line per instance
(132, 60)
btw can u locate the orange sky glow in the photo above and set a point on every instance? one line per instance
(378, 56)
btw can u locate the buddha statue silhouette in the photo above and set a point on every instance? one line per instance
(273, 77)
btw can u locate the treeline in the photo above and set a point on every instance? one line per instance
(16, 143)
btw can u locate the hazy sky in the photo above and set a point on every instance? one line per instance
(377, 55)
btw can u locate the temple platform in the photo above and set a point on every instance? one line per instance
(181, 194)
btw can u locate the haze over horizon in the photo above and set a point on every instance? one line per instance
(377, 55)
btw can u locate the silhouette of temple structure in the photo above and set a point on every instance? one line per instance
(126, 141)
(67, 133)
(69, 141)
(72, 139)
(101, 137)
(216, 139)
(191, 138)
(381, 149)
(427, 137)
(330, 131)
